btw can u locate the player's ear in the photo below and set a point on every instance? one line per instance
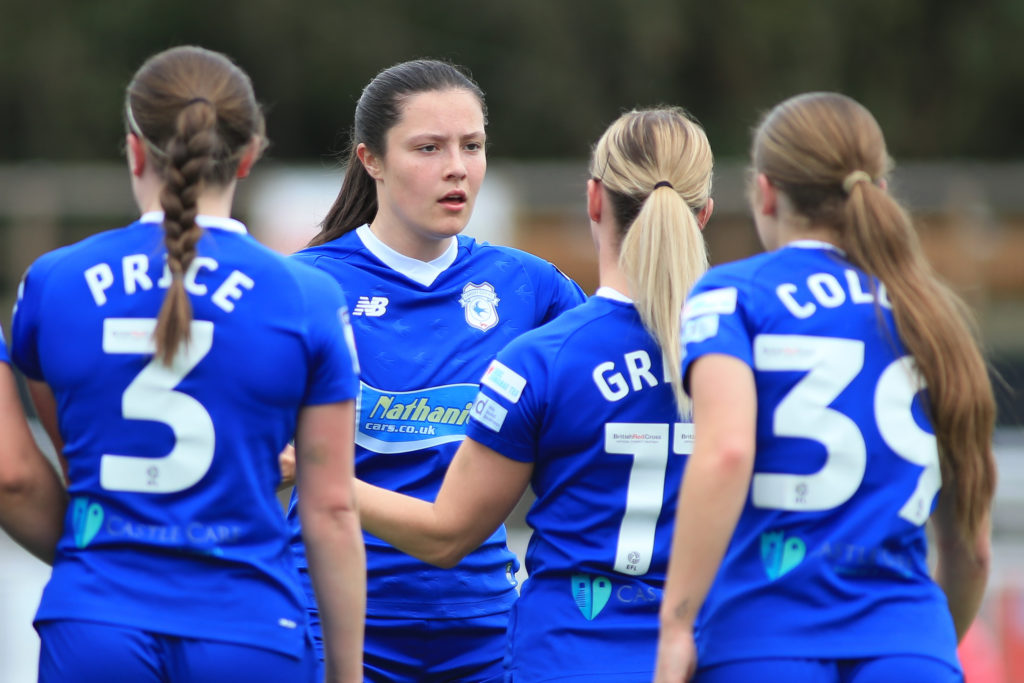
(766, 197)
(595, 200)
(249, 156)
(370, 161)
(136, 150)
(704, 215)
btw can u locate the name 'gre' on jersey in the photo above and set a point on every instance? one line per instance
(425, 334)
(586, 400)
(828, 559)
(173, 524)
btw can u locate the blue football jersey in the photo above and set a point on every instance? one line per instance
(828, 559)
(425, 334)
(586, 400)
(4, 358)
(173, 524)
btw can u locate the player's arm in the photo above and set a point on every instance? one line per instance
(32, 497)
(480, 489)
(46, 409)
(286, 462)
(714, 489)
(325, 471)
(963, 566)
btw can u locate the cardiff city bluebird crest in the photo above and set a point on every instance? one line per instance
(481, 304)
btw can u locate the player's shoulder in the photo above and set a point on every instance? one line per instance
(557, 336)
(485, 251)
(88, 250)
(340, 249)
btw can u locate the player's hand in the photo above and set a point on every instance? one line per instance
(677, 656)
(286, 461)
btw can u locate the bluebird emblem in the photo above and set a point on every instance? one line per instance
(481, 305)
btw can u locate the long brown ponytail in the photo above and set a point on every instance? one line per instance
(826, 152)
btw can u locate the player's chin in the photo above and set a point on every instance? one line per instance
(452, 223)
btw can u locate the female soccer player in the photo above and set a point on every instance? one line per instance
(171, 361)
(587, 411)
(836, 385)
(430, 309)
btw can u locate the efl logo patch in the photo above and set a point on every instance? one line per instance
(504, 381)
(488, 412)
(373, 307)
(481, 305)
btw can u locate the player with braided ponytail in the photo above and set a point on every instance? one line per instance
(140, 346)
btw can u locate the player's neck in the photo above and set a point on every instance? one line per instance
(210, 202)
(794, 231)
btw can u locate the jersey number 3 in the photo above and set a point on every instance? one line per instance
(831, 365)
(152, 396)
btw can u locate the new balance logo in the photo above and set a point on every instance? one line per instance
(371, 306)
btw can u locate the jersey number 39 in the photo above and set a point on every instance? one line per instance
(831, 365)
(152, 396)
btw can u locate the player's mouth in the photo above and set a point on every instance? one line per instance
(455, 200)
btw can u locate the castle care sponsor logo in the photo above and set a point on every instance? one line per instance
(402, 421)
(89, 519)
(780, 554)
(504, 381)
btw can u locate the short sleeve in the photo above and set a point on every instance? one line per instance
(334, 369)
(25, 323)
(715, 320)
(508, 411)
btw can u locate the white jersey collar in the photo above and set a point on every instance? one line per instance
(814, 244)
(202, 220)
(423, 272)
(613, 294)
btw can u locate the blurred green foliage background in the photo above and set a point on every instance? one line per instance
(943, 77)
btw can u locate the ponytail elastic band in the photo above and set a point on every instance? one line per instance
(663, 183)
(194, 100)
(854, 178)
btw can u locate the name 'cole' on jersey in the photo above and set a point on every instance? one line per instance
(425, 333)
(173, 523)
(587, 401)
(831, 543)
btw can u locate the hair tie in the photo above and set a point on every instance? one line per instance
(854, 178)
(662, 183)
(194, 100)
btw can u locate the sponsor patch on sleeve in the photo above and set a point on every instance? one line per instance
(504, 381)
(715, 301)
(488, 412)
(699, 329)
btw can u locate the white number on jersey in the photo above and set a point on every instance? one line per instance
(648, 444)
(151, 396)
(831, 365)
